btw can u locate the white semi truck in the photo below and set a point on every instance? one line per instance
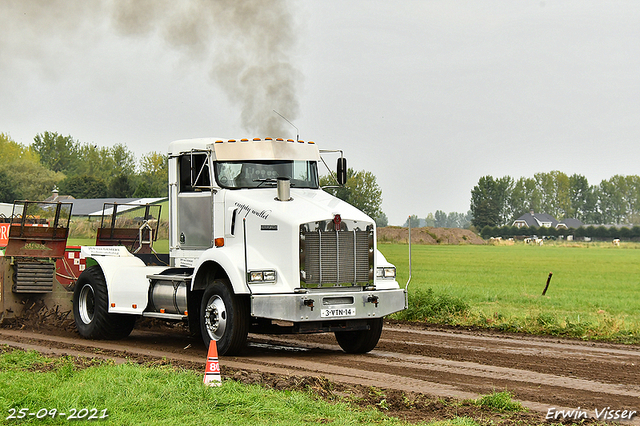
(255, 246)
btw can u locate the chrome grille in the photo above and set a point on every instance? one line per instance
(332, 258)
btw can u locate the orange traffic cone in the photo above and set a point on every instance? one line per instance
(212, 373)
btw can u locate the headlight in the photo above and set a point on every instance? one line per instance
(268, 276)
(386, 272)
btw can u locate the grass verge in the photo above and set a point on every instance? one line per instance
(499, 401)
(133, 394)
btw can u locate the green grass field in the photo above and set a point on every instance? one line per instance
(593, 292)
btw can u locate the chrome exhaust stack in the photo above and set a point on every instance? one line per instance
(284, 189)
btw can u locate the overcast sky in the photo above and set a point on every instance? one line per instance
(428, 95)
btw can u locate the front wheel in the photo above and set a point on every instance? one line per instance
(224, 317)
(360, 341)
(90, 309)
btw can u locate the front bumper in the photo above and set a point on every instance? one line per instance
(327, 305)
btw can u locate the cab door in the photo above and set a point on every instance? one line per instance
(195, 202)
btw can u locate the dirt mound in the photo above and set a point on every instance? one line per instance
(427, 235)
(36, 315)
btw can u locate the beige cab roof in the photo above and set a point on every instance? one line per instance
(248, 149)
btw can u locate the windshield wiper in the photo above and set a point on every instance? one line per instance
(269, 180)
(263, 180)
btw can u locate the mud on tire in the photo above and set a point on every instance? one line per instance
(90, 309)
(360, 341)
(224, 317)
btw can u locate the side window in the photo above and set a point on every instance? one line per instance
(194, 173)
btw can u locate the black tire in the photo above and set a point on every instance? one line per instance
(224, 317)
(360, 341)
(193, 305)
(90, 309)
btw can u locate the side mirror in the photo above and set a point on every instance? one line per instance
(342, 170)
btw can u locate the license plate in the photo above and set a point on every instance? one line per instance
(337, 312)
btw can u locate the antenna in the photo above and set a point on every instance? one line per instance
(283, 117)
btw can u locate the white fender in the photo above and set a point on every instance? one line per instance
(228, 259)
(125, 276)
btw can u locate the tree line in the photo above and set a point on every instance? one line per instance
(440, 219)
(81, 170)
(500, 201)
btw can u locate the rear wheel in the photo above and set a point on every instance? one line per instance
(360, 341)
(90, 309)
(224, 317)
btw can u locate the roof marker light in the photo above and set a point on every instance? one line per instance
(280, 139)
(244, 140)
(256, 139)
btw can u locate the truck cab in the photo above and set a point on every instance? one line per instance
(255, 246)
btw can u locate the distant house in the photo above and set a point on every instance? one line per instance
(537, 220)
(569, 223)
(57, 198)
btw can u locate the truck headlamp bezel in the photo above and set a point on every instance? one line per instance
(262, 276)
(386, 272)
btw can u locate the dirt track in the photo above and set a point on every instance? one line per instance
(541, 372)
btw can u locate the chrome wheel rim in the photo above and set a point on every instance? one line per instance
(215, 318)
(86, 304)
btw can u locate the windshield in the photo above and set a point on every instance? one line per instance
(264, 173)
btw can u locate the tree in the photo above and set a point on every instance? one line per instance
(583, 199)
(415, 221)
(31, 179)
(441, 219)
(430, 220)
(361, 191)
(8, 191)
(143, 191)
(103, 163)
(554, 188)
(120, 187)
(525, 197)
(456, 220)
(382, 221)
(83, 187)
(468, 219)
(124, 160)
(56, 152)
(611, 203)
(11, 150)
(94, 161)
(489, 201)
(153, 174)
